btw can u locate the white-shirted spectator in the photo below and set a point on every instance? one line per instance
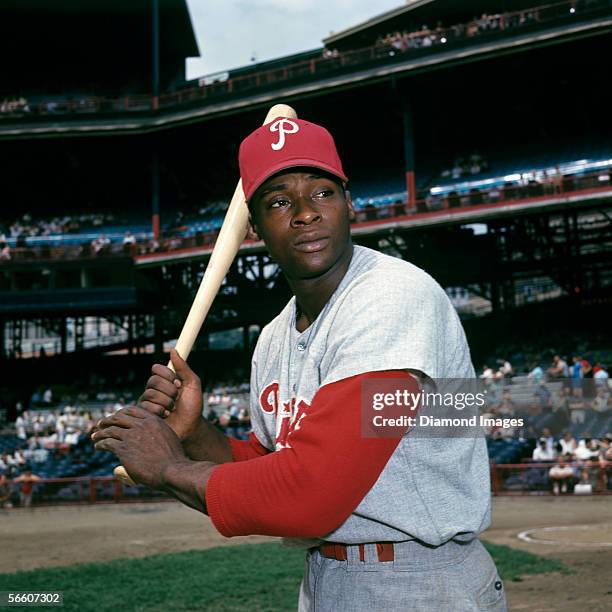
(20, 427)
(601, 377)
(561, 474)
(542, 452)
(487, 373)
(584, 452)
(601, 402)
(567, 444)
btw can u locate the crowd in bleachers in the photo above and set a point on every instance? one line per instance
(427, 37)
(566, 409)
(26, 225)
(14, 105)
(471, 179)
(470, 165)
(50, 439)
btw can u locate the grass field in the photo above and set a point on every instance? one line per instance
(254, 577)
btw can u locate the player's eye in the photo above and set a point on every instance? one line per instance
(278, 203)
(323, 193)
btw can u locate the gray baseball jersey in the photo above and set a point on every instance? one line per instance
(386, 314)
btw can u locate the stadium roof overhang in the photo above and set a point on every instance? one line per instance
(60, 46)
(183, 41)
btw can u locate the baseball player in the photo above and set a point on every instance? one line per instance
(388, 522)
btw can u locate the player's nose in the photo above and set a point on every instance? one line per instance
(305, 212)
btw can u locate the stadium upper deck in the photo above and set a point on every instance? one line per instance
(392, 45)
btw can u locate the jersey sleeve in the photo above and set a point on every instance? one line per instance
(243, 450)
(311, 487)
(396, 321)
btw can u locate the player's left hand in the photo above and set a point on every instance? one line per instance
(142, 441)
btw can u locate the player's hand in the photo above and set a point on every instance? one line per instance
(177, 397)
(143, 442)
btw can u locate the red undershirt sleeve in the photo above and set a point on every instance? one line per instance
(243, 450)
(311, 487)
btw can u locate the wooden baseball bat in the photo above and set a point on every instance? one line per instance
(231, 235)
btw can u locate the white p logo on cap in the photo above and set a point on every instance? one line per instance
(279, 126)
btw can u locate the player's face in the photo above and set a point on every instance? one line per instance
(304, 220)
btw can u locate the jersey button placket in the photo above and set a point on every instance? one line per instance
(301, 346)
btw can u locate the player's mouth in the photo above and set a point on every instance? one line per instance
(311, 243)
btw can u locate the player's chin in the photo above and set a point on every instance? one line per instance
(311, 265)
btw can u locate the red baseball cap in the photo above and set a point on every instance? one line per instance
(286, 143)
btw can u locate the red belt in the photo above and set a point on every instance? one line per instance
(384, 550)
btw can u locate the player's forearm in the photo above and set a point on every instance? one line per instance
(207, 443)
(187, 480)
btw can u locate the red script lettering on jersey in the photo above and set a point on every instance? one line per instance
(288, 414)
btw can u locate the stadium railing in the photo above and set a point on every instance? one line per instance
(506, 479)
(534, 479)
(532, 17)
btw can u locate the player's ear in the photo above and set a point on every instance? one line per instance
(252, 233)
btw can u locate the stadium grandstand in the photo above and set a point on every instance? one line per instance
(478, 146)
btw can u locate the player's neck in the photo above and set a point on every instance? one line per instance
(311, 294)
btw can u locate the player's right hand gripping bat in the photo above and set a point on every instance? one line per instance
(231, 235)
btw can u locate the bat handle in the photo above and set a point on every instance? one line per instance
(121, 473)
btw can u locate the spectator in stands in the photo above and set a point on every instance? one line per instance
(588, 382)
(100, 244)
(543, 396)
(506, 407)
(5, 249)
(567, 444)
(550, 441)
(601, 403)
(129, 238)
(601, 376)
(576, 372)
(20, 426)
(536, 373)
(26, 480)
(19, 458)
(558, 369)
(605, 451)
(505, 369)
(5, 491)
(577, 407)
(542, 452)
(561, 474)
(47, 398)
(560, 400)
(487, 373)
(587, 449)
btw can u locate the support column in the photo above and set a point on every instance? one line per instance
(155, 219)
(2, 340)
(158, 334)
(64, 335)
(79, 333)
(17, 337)
(246, 343)
(409, 156)
(155, 55)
